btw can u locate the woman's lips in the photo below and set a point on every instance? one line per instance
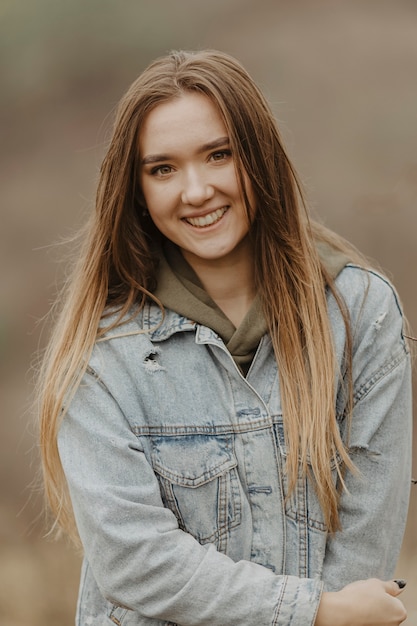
(206, 220)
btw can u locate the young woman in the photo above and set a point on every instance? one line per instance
(226, 405)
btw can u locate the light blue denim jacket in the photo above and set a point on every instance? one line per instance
(176, 469)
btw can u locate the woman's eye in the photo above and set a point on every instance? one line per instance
(221, 155)
(161, 170)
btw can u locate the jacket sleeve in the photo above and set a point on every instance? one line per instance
(140, 559)
(373, 509)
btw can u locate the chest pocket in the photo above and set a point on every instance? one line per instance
(302, 506)
(199, 484)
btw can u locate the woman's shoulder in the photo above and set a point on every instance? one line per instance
(137, 331)
(136, 320)
(374, 310)
(367, 287)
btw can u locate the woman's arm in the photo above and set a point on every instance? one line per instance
(373, 509)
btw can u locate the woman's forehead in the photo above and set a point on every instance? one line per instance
(192, 118)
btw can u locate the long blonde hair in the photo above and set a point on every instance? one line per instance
(116, 268)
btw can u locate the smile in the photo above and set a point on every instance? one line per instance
(207, 220)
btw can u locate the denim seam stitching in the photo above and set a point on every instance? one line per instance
(383, 371)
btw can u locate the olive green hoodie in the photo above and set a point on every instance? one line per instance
(179, 289)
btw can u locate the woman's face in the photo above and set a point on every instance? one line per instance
(189, 181)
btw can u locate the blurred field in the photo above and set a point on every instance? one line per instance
(341, 77)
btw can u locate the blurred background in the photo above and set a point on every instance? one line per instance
(342, 80)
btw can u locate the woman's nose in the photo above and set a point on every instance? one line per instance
(196, 188)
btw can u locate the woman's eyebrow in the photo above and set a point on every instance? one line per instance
(221, 142)
(155, 158)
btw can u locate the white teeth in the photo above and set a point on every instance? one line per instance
(207, 220)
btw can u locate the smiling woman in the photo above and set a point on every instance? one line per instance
(225, 402)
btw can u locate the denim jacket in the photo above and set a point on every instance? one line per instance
(176, 468)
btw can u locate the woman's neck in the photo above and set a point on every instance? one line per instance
(229, 281)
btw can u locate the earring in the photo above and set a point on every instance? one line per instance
(145, 212)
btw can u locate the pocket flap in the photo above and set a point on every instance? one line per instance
(192, 460)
